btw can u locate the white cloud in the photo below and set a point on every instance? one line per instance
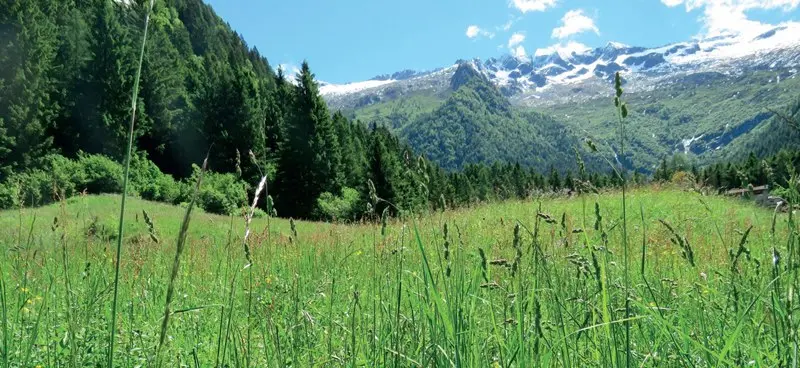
(472, 31)
(575, 22)
(563, 50)
(532, 5)
(475, 31)
(516, 39)
(508, 25)
(515, 45)
(729, 16)
(290, 71)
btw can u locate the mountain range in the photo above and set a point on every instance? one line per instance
(700, 97)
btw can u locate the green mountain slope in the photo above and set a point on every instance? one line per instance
(709, 116)
(477, 124)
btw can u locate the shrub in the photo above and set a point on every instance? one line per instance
(66, 174)
(258, 213)
(35, 187)
(683, 178)
(39, 186)
(151, 184)
(333, 207)
(100, 174)
(222, 194)
(9, 194)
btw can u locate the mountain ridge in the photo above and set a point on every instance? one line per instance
(546, 77)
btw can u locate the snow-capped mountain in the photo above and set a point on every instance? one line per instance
(556, 75)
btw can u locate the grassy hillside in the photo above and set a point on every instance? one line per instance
(398, 113)
(464, 290)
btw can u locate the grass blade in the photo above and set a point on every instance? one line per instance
(134, 94)
(176, 263)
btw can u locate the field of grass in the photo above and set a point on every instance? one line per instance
(517, 284)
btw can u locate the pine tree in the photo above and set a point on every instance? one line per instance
(25, 106)
(310, 160)
(662, 173)
(569, 182)
(554, 180)
(353, 164)
(384, 171)
(71, 58)
(103, 106)
(166, 102)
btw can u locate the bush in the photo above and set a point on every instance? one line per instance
(66, 174)
(151, 184)
(222, 194)
(258, 213)
(344, 207)
(9, 195)
(39, 186)
(100, 174)
(35, 187)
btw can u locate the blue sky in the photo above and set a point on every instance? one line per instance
(354, 40)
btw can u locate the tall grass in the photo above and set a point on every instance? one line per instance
(120, 228)
(519, 284)
(179, 246)
(622, 111)
(548, 290)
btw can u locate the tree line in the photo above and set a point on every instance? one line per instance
(68, 71)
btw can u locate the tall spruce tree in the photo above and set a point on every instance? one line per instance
(26, 108)
(104, 89)
(310, 159)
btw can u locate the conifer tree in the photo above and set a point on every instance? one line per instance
(554, 180)
(310, 159)
(26, 108)
(104, 89)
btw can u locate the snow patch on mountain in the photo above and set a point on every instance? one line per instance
(572, 72)
(327, 89)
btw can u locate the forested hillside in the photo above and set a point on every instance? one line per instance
(68, 72)
(477, 124)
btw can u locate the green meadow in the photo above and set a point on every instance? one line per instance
(515, 284)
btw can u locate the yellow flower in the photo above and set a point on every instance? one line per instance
(24, 290)
(39, 366)
(269, 280)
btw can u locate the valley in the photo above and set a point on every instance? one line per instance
(170, 197)
(700, 98)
